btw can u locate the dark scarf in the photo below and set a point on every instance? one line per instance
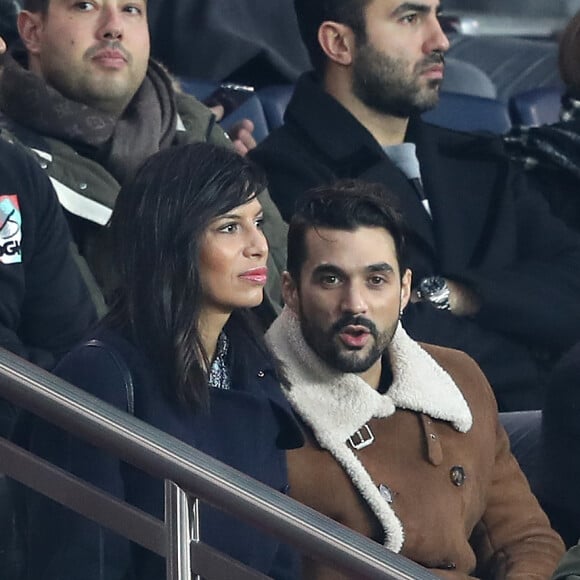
(147, 125)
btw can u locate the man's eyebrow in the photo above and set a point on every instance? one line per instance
(380, 267)
(333, 269)
(414, 7)
(327, 269)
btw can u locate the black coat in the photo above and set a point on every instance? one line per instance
(247, 427)
(45, 306)
(488, 230)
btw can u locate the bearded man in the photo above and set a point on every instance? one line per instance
(403, 440)
(495, 274)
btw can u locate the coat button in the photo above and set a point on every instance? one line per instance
(261, 374)
(386, 493)
(457, 475)
(82, 186)
(43, 164)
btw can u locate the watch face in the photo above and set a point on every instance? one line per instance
(432, 285)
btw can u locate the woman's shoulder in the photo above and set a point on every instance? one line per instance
(106, 365)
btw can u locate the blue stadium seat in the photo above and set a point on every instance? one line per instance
(535, 107)
(467, 79)
(469, 113)
(199, 88)
(275, 99)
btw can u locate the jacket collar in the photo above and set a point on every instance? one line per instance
(335, 405)
(327, 122)
(341, 403)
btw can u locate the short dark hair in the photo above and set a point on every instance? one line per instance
(312, 13)
(156, 232)
(568, 56)
(345, 205)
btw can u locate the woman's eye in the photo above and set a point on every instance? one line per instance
(228, 228)
(260, 223)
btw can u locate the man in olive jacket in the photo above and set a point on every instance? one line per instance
(495, 274)
(84, 95)
(404, 443)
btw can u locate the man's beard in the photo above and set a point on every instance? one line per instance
(327, 345)
(384, 84)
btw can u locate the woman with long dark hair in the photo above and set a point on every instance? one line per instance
(179, 351)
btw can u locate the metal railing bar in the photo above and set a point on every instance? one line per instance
(210, 563)
(82, 497)
(177, 509)
(165, 457)
(96, 505)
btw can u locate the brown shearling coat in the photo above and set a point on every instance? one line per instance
(490, 527)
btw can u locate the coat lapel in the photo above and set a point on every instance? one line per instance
(458, 178)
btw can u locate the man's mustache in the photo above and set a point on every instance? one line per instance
(350, 320)
(437, 57)
(108, 45)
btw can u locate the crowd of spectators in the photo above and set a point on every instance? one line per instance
(492, 230)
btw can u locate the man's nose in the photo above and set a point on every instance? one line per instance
(353, 300)
(112, 25)
(437, 40)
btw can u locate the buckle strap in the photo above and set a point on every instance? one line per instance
(362, 438)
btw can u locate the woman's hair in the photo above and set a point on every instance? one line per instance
(569, 56)
(155, 235)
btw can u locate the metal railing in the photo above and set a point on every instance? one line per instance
(188, 474)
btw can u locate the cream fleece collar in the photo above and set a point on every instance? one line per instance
(335, 405)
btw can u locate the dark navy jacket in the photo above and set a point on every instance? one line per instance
(247, 427)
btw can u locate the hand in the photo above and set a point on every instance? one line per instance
(2, 45)
(241, 136)
(240, 133)
(463, 301)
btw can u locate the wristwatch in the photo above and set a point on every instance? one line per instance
(434, 289)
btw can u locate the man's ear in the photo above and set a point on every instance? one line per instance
(30, 26)
(290, 293)
(337, 42)
(406, 288)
